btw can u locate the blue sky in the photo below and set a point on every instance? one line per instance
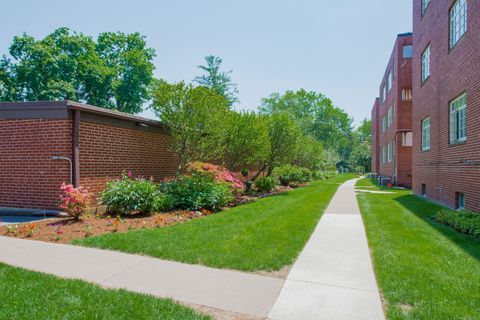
(339, 48)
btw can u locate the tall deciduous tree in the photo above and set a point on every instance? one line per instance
(316, 115)
(113, 72)
(310, 153)
(247, 140)
(197, 120)
(219, 81)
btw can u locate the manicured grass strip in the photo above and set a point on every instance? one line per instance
(425, 270)
(31, 295)
(265, 235)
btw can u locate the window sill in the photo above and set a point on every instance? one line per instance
(425, 150)
(424, 81)
(457, 143)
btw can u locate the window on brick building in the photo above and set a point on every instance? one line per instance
(458, 119)
(424, 189)
(407, 52)
(426, 134)
(407, 139)
(460, 200)
(458, 21)
(426, 64)
(389, 117)
(390, 80)
(425, 4)
(407, 94)
(390, 152)
(384, 124)
(384, 155)
(384, 93)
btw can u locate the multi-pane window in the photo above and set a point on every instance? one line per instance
(390, 80)
(390, 152)
(407, 139)
(384, 93)
(384, 124)
(458, 21)
(426, 64)
(458, 119)
(424, 6)
(384, 155)
(460, 199)
(389, 117)
(407, 94)
(426, 134)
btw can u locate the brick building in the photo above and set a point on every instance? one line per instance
(446, 96)
(43, 144)
(392, 117)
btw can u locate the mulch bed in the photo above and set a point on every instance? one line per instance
(65, 230)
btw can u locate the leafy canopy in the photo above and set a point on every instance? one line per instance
(218, 81)
(197, 120)
(113, 72)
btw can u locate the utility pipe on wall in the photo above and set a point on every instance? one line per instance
(71, 165)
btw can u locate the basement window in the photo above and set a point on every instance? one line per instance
(460, 200)
(424, 189)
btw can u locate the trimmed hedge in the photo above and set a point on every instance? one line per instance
(464, 221)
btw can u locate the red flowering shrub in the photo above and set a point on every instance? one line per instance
(220, 173)
(74, 200)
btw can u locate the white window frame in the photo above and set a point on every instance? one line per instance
(390, 80)
(426, 64)
(390, 152)
(426, 134)
(407, 139)
(460, 201)
(384, 124)
(458, 21)
(384, 155)
(384, 93)
(458, 119)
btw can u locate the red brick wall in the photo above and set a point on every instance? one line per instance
(443, 169)
(402, 117)
(376, 156)
(106, 151)
(29, 177)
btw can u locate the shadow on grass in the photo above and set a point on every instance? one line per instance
(426, 210)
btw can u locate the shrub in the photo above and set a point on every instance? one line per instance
(324, 175)
(306, 175)
(289, 175)
(265, 184)
(197, 192)
(464, 221)
(220, 174)
(128, 195)
(74, 200)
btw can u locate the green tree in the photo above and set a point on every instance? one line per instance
(317, 117)
(197, 120)
(361, 156)
(246, 139)
(364, 131)
(218, 81)
(310, 153)
(113, 72)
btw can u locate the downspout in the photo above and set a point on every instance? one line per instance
(76, 148)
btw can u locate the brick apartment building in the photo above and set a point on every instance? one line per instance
(43, 144)
(392, 117)
(446, 100)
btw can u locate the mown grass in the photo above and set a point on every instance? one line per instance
(264, 235)
(425, 270)
(31, 295)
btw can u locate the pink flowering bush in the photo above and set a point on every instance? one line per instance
(74, 200)
(221, 174)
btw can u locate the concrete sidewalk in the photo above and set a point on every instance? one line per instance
(220, 289)
(333, 277)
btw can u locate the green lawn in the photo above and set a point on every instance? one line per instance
(264, 235)
(31, 295)
(425, 270)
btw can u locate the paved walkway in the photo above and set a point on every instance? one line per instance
(221, 289)
(333, 277)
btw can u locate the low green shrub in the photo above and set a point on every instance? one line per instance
(265, 184)
(306, 175)
(324, 175)
(128, 195)
(288, 175)
(197, 192)
(464, 221)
